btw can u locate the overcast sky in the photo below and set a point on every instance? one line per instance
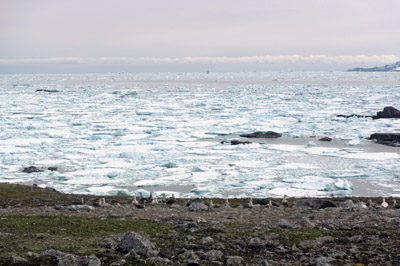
(162, 35)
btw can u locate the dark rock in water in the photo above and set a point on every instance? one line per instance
(391, 139)
(314, 203)
(325, 139)
(354, 115)
(388, 112)
(133, 242)
(52, 168)
(170, 165)
(237, 142)
(32, 169)
(46, 90)
(258, 134)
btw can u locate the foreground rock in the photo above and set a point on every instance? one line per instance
(65, 259)
(138, 244)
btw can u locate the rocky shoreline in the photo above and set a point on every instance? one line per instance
(40, 226)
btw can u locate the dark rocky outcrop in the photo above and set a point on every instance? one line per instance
(46, 90)
(259, 134)
(35, 169)
(388, 112)
(32, 169)
(390, 139)
(386, 137)
(315, 204)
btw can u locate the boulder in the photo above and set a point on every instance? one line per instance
(233, 260)
(213, 255)
(136, 243)
(386, 137)
(111, 242)
(197, 206)
(259, 134)
(283, 223)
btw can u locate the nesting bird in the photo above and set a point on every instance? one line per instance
(103, 203)
(136, 203)
(250, 204)
(226, 203)
(370, 204)
(171, 200)
(384, 204)
(284, 201)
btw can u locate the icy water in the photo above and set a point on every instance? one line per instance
(124, 133)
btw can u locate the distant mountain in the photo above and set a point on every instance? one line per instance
(387, 68)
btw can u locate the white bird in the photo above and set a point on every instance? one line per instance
(211, 204)
(284, 201)
(250, 204)
(134, 201)
(270, 204)
(361, 205)
(226, 204)
(384, 204)
(154, 201)
(104, 203)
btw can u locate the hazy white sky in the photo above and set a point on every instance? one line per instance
(97, 35)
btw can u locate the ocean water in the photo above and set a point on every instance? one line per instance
(121, 133)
